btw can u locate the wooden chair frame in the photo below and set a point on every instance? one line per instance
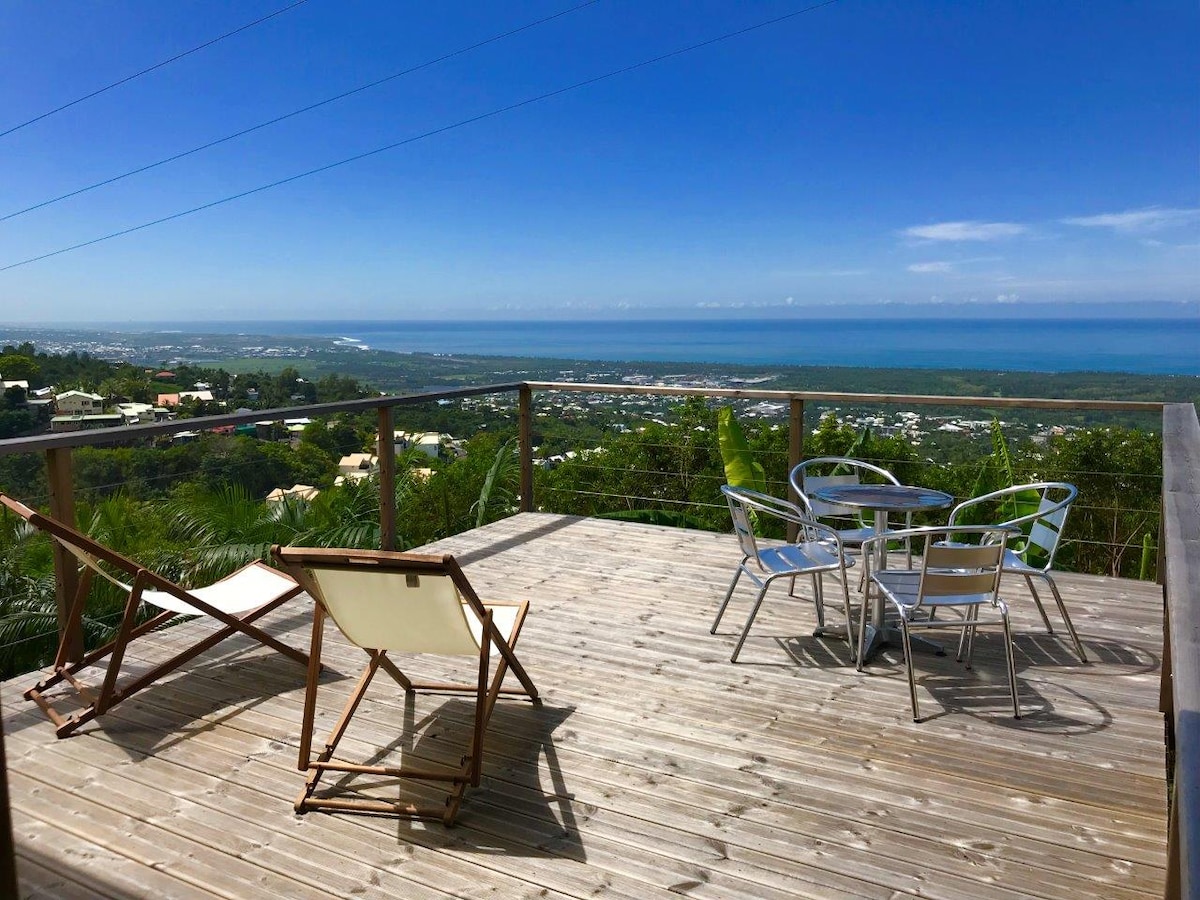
(486, 690)
(111, 693)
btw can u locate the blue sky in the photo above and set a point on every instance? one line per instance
(860, 153)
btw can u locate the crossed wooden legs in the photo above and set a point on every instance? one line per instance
(470, 771)
(110, 693)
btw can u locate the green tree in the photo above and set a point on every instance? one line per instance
(18, 366)
(1119, 475)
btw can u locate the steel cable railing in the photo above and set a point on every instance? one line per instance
(689, 482)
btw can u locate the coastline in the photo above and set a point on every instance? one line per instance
(1145, 346)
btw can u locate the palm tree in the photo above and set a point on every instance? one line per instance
(28, 605)
(224, 528)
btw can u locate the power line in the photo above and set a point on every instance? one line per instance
(158, 65)
(529, 101)
(309, 108)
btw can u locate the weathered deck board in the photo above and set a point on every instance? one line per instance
(653, 768)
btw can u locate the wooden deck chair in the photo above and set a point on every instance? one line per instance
(404, 603)
(237, 601)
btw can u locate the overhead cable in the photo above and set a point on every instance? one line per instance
(158, 65)
(297, 112)
(529, 101)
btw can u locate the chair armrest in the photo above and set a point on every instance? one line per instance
(1008, 492)
(786, 511)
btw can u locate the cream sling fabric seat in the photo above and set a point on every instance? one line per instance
(386, 602)
(237, 601)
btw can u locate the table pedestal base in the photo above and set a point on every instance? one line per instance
(878, 638)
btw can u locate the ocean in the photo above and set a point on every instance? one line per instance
(1151, 346)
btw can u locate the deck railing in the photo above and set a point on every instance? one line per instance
(60, 478)
(1179, 553)
(1181, 649)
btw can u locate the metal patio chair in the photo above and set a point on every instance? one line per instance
(387, 602)
(959, 570)
(816, 550)
(236, 601)
(1032, 554)
(840, 470)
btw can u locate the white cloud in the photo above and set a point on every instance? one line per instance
(1134, 221)
(821, 273)
(965, 231)
(1007, 298)
(939, 266)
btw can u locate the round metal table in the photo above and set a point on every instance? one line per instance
(883, 499)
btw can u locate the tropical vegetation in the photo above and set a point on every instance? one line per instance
(196, 511)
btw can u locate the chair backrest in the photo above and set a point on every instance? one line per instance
(961, 563)
(746, 504)
(740, 512)
(805, 483)
(1043, 525)
(1046, 531)
(406, 602)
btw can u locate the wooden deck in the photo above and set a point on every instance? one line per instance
(653, 768)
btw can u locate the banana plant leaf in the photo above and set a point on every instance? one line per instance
(741, 468)
(1022, 503)
(494, 490)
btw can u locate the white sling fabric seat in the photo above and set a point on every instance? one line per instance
(246, 589)
(236, 601)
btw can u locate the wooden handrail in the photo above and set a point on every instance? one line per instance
(1181, 644)
(834, 397)
(102, 436)
(118, 435)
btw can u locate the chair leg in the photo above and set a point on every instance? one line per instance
(908, 664)
(315, 771)
(962, 636)
(1012, 667)
(311, 685)
(728, 596)
(862, 628)
(851, 641)
(818, 599)
(749, 621)
(1062, 611)
(1041, 609)
(972, 628)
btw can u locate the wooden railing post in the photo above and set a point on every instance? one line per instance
(60, 478)
(1181, 686)
(386, 451)
(795, 452)
(525, 441)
